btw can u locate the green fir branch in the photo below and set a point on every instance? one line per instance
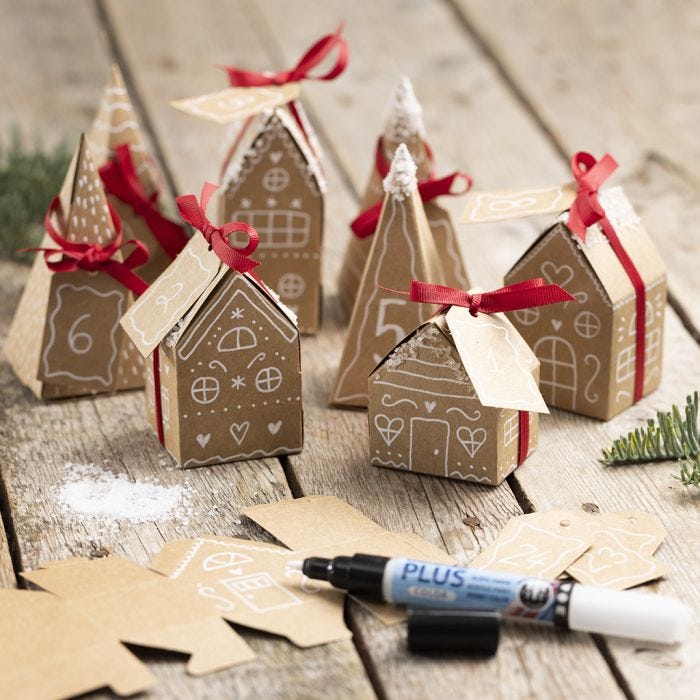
(672, 435)
(690, 471)
(29, 179)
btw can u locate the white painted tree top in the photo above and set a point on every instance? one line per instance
(404, 120)
(401, 179)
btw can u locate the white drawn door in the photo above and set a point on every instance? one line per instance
(429, 440)
(557, 371)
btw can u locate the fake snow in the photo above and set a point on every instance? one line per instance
(89, 492)
(401, 179)
(404, 120)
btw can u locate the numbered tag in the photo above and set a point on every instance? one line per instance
(82, 334)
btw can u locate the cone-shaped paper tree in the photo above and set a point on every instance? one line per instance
(65, 338)
(404, 124)
(402, 249)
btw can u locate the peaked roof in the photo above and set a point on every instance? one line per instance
(404, 120)
(597, 254)
(256, 139)
(483, 343)
(171, 303)
(115, 123)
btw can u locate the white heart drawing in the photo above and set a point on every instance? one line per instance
(556, 324)
(430, 406)
(203, 439)
(389, 429)
(239, 431)
(471, 439)
(561, 275)
(276, 156)
(274, 428)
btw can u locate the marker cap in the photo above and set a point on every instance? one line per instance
(476, 631)
(628, 614)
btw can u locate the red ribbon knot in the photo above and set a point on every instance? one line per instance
(193, 212)
(121, 180)
(92, 257)
(313, 57)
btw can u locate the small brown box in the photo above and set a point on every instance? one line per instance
(229, 361)
(450, 398)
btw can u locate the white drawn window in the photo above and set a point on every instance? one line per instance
(260, 592)
(165, 404)
(527, 316)
(205, 389)
(224, 560)
(625, 367)
(268, 379)
(652, 347)
(511, 429)
(557, 369)
(275, 179)
(291, 285)
(277, 229)
(587, 324)
(241, 338)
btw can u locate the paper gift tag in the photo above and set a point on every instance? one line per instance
(236, 103)
(537, 544)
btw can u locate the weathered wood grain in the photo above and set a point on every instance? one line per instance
(615, 77)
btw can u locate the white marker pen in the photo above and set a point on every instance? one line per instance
(568, 605)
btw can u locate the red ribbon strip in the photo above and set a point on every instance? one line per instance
(120, 179)
(92, 257)
(587, 211)
(365, 224)
(302, 71)
(521, 295)
(523, 435)
(193, 212)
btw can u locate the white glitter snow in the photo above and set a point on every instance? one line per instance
(404, 120)
(401, 178)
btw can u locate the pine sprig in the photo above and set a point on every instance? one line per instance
(672, 435)
(690, 471)
(29, 178)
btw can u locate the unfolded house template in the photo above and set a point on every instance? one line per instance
(229, 362)
(587, 350)
(273, 181)
(65, 339)
(115, 125)
(402, 249)
(451, 399)
(404, 124)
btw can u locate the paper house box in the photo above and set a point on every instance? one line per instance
(402, 249)
(453, 397)
(273, 181)
(65, 339)
(587, 350)
(404, 124)
(115, 124)
(229, 362)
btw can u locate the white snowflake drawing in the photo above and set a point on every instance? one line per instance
(271, 202)
(237, 382)
(245, 203)
(296, 203)
(237, 313)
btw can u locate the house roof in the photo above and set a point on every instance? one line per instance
(171, 303)
(257, 138)
(494, 357)
(599, 255)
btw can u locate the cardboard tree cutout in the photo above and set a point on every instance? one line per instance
(596, 357)
(113, 130)
(65, 338)
(226, 382)
(459, 397)
(274, 183)
(402, 249)
(404, 124)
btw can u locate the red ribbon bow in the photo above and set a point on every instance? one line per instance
(522, 295)
(120, 179)
(589, 174)
(92, 257)
(193, 212)
(302, 71)
(365, 224)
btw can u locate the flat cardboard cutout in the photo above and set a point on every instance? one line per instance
(65, 338)
(404, 124)
(402, 249)
(446, 400)
(229, 362)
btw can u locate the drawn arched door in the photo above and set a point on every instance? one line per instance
(557, 371)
